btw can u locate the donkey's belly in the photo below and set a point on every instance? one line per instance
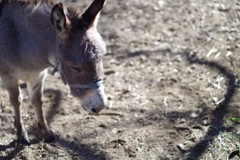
(25, 75)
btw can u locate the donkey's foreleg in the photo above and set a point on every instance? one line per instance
(35, 90)
(11, 85)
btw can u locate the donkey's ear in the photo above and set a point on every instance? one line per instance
(59, 20)
(91, 13)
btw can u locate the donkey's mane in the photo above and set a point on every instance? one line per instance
(24, 2)
(72, 12)
(32, 2)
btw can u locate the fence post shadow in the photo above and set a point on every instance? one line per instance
(218, 113)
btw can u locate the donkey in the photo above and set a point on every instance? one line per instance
(38, 34)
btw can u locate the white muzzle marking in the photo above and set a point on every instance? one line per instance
(95, 101)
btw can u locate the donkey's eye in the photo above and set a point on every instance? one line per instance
(76, 69)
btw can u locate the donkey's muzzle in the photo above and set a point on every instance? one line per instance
(95, 100)
(96, 111)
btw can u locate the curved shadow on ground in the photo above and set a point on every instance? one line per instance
(218, 113)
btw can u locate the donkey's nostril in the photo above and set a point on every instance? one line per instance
(94, 110)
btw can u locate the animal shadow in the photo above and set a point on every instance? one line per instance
(13, 148)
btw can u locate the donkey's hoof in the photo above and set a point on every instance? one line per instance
(50, 137)
(45, 133)
(23, 140)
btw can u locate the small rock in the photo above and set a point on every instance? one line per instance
(115, 130)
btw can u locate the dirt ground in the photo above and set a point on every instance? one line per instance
(172, 73)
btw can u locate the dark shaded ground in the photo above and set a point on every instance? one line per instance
(172, 72)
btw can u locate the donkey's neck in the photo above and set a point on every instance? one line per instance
(47, 40)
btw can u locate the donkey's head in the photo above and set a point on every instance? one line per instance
(80, 50)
